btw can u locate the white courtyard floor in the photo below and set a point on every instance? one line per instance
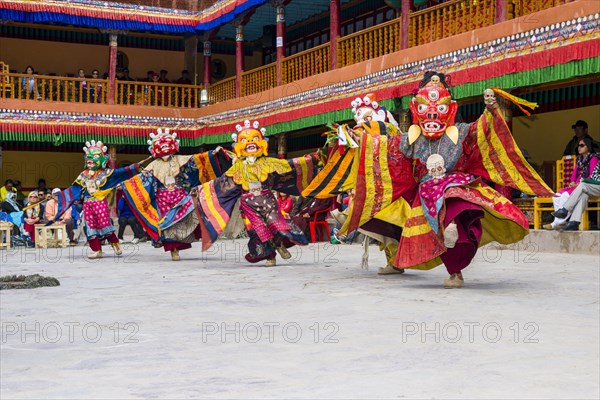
(526, 325)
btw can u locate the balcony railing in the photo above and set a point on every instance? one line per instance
(307, 63)
(222, 91)
(369, 43)
(449, 19)
(83, 90)
(518, 8)
(259, 79)
(53, 88)
(157, 94)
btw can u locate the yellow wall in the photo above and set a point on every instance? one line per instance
(59, 169)
(545, 136)
(66, 58)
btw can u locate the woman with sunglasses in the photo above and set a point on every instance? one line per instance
(584, 165)
(33, 214)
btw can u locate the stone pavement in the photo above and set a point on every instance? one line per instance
(526, 325)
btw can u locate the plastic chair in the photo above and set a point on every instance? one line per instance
(323, 224)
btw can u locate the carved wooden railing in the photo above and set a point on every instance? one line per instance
(518, 8)
(157, 94)
(307, 63)
(259, 79)
(221, 91)
(369, 43)
(53, 88)
(449, 19)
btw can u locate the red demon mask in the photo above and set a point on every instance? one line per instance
(163, 143)
(433, 110)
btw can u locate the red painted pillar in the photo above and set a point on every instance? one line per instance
(334, 31)
(404, 14)
(239, 59)
(500, 10)
(207, 61)
(280, 42)
(112, 66)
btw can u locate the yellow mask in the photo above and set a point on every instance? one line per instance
(250, 142)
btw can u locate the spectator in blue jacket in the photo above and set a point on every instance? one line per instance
(126, 217)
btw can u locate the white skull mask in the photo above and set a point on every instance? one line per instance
(489, 97)
(436, 166)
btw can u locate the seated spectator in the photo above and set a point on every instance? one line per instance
(149, 76)
(584, 166)
(66, 218)
(580, 129)
(96, 88)
(18, 188)
(15, 215)
(32, 215)
(306, 214)
(7, 188)
(125, 76)
(578, 200)
(184, 79)
(126, 217)
(163, 76)
(82, 86)
(10, 205)
(41, 185)
(129, 90)
(340, 217)
(285, 204)
(42, 197)
(29, 84)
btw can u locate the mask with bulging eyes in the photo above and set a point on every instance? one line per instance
(433, 112)
(436, 166)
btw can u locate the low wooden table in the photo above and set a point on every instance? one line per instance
(5, 228)
(54, 235)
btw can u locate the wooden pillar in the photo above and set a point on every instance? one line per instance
(280, 42)
(191, 57)
(112, 66)
(207, 63)
(239, 59)
(501, 10)
(406, 9)
(334, 31)
(282, 146)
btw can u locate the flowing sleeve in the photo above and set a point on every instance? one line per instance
(494, 155)
(139, 192)
(210, 165)
(119, 175)
(66, 198)
(215, 202)
(303, 170)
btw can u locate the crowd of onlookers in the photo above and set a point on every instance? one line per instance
(40, 206)
(89, 88)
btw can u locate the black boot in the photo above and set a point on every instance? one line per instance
(562, 213)
(572, 226)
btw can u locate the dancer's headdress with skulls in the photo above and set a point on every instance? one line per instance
(368, 109)
(250, 141)
(96, 155)
(163, 143)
